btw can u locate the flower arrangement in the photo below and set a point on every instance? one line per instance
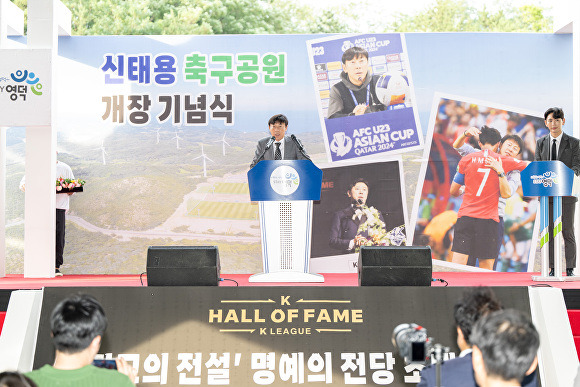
(373, 231)
(69, 185)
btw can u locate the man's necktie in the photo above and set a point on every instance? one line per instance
(277, 154)
(554, 152)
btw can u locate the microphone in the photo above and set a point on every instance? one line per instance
(270, 142)
(268, 145)
(359, 201)
(297, 141)
(300, 146)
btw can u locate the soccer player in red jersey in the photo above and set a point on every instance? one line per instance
(483, 174)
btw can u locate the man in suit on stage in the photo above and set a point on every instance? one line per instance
(474, 305)
(279, 146)
(557, 145)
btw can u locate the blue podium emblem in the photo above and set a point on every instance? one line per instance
(284, 180)
(547, 178)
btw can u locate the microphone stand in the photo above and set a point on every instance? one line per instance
(438, 351)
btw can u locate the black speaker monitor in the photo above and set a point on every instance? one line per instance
(183, 266)
(395, 266)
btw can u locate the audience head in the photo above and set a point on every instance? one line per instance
(15, 379)
(505, 346)
(75, 322)
(474, 304)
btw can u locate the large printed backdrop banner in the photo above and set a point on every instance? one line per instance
(435, 210)
(390, 121)
(269, 335)
(333, 214)
(163, 129)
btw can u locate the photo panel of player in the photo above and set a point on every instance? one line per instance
(365, 95)
(360, 204)
(435, 209)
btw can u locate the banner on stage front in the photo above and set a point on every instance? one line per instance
(365, 96)
(269, 336)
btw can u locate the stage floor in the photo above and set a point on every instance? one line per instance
(14, 282)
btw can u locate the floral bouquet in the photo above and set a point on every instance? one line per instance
(69, 185)
(373, 231)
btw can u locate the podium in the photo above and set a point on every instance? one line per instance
(545, 179)
(285, 190)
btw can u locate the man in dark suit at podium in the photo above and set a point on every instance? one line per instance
(557, 145)
(279, 146)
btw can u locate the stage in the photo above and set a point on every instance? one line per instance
(571, 290)
(16, 282)
(250, 322)
(376, 304)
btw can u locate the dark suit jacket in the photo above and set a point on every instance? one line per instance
(459, 372)
(454, 372)
(568, 153)
(291, 151)
(343, 228)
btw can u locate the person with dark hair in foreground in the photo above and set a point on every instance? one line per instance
(279, 146)
(474, 304)
(15, 379)
(77, 325)
(505, 348)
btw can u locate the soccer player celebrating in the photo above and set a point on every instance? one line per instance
(483, 174)
(511, 146)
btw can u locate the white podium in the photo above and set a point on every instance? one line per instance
(285, 190)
